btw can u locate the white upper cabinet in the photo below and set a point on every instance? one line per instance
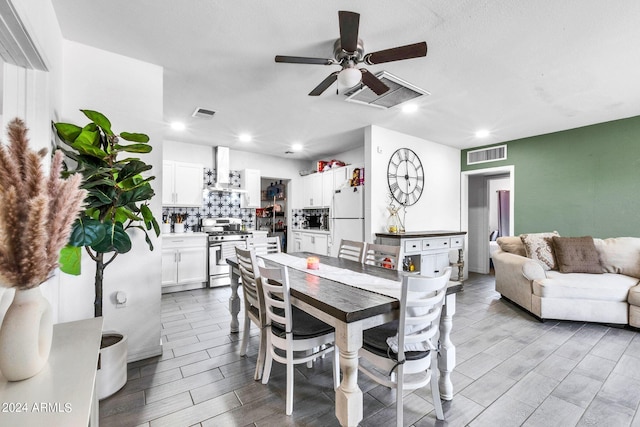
(182, 184)
(250, 182)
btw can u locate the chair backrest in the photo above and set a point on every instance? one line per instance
(250, 275)
(420, 308)
(264, 245)
(382, 255)
(275, 291)
(351, 250)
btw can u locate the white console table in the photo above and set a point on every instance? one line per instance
(63, 393)
(428, 250)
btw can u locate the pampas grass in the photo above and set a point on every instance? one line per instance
(36, 212)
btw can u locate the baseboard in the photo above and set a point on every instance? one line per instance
(150, 352)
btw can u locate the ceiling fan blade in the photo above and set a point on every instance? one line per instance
(325, 84)
(304, 60)
(373, 83)
(349, 23)
(409, 51)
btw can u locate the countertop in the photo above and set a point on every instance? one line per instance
(417, 234)
(311, 230)
(187, 234)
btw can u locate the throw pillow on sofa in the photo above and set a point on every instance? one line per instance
(539, 247)
(576, 255)
(512, 244)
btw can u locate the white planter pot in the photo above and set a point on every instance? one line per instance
(112, 369)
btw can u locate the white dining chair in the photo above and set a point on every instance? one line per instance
(254, 309)
(264, 245)
(386, 256)
(294, 337)
(351, 250)
(403, 354)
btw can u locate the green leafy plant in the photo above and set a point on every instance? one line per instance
(117, 199)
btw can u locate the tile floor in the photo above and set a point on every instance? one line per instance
(511, 370)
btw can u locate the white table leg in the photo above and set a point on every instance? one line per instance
(349, 395)
(447, 360)
(234, 300)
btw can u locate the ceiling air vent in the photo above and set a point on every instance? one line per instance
(485, 155)
(203, 113)
(399, 92)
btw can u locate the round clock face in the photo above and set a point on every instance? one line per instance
(405, 176)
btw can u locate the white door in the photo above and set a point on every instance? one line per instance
(169, 267)
(168, 181)
(189, 184)
(192, 265)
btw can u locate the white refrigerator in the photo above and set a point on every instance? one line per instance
(347, 216)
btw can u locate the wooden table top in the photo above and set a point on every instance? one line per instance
(418, 234)
(343, 302)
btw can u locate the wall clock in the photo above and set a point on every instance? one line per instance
(405, 176)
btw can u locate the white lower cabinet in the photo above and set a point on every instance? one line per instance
(184, 262)
(317, 243)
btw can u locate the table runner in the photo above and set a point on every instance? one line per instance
(387, 287)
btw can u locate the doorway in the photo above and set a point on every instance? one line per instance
(480, 198)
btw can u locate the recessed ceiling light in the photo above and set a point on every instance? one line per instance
(296, 147)
(178, 126)
(409, 108)
(244, 137)
(483, 133)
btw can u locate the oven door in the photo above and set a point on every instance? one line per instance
(218, 267)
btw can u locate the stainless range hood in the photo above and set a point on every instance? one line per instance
(222, 172)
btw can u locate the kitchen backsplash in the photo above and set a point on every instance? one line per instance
(216, 204)
(298, 216)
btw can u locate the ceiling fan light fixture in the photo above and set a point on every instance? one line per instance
(349, 77)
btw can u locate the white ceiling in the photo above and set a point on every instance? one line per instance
(517, 68)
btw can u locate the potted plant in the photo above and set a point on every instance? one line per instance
(117, 201)
(36, 214)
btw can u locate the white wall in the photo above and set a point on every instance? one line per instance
(439, 206)
(129, 93)
(188, 153)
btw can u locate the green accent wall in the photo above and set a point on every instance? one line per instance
(583, 181)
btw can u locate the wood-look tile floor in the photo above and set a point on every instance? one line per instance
(511, 370)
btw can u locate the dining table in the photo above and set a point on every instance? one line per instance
(351, 297)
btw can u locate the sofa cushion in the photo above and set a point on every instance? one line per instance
(576, 255)
(512, 244)
(603, 287)
(634, 295)
(619, 255)
(538, 247)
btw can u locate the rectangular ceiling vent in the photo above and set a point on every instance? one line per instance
(203, 113)
(399, 92)
(486, 155)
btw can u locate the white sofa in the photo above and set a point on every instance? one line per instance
(610, 297)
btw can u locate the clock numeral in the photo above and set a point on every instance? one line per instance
(411, 156)
(393, 187)
(411, 198)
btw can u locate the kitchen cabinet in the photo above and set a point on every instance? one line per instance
(308, 241)
(250, 182)
(312, 191)
(318, 188)
(428, 251)
(184, 261)
(182, 184)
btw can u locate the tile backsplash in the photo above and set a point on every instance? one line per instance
(298, 216)
(215, 204)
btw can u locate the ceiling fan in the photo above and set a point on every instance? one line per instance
(348, 52)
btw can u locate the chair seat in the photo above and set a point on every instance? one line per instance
(374, 340)
(304, 326)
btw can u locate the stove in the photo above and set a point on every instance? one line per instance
(224, 235)
(227, 236)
